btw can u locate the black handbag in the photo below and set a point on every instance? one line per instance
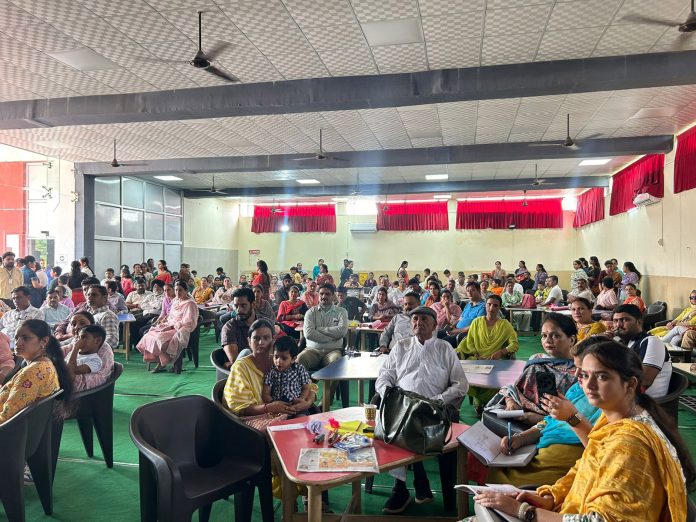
(413, 422)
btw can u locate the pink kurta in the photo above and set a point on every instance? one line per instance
(87, 381)
(165, 341)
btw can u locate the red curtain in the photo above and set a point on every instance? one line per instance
(412, 216)
(645, 175)
(685, 161)
(304, 218)
(590, 207)
(539, 213)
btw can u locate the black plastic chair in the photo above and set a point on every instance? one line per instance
(191, 350)
(192, 453)
(218, 392)
(94, 412)
(26, 437)
(218, 358)
(670, 402)
(654, 313)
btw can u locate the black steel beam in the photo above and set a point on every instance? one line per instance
(360, 92)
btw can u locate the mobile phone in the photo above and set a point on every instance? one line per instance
(546, 383)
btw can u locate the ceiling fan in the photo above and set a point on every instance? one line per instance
(568, 142)
(357, 191)
(536, 182)
(115, 163)
(320, 156)
(524, 198)
(211, 190)
(204, 60)
(685, 28)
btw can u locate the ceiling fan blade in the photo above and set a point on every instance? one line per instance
(222, 74)
(546, 144)
(640, 19)
(308, 158)
(592, 136)
(215, 51)
(334, 158)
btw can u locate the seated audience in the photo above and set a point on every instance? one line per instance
(235, 332)
(577, 274)
(400, 325)
(631, 276)
(633, 298)
(581, 290)
(262, 307)
(489, 337)
(7, 362)
(126, 282)
(607, 299)
(382, 309)
(53, 311)
(555, 295)
(98, 307)
(109, 275)
(498, 272)
(451, 285)
(674, 330)
(657, 366)
(433, 297)
(476, 307)
(397, 291)
(447, 311)
(115, 300)
(324, 276)
(163, 273)
(635, 465)
(581, 311)
(560, 436)
(355, 307)
(147, 310)
(291, 313)
(12, 320)
(310, 296)
(512, 299)
(63, 283)
(45, 371)
(89, 358)
(383, 282)
(428, 366)
(135, 299)
(164, 342)
(540, 277)
(287, 381)
(558, 335)
(204, 293)
(370, 281)
(611, 273)
(325, 326)
(223, 295)
(496, 287)
(283, 293)
(62, 298)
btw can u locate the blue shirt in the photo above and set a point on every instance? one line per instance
(471, 312)
(560, 432)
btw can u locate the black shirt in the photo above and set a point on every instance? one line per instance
(281, 295)
(354, 306)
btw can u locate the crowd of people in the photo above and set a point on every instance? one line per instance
(277, 328)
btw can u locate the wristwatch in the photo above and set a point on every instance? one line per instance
(574, 419)
(527, 512)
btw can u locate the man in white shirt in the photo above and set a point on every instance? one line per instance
(54, 312)
(460, 286)
(555, 294)
(581, 291)
(23, 311)
(657, 367)
(452, 287)
(429, 367)
(135, 299)
(400, 325)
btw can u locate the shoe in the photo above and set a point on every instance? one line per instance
(424, 495)
(28, 479)
(398, 501)
(158, 369)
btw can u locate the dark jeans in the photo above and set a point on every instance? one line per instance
(289, 330)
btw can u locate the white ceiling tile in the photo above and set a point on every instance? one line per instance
(111, 8)
(146, 27)
(513, 48)
(327, 37)
(376, 10)
(259, 16)
(582, 13)
(390, 57)
(453, 26)
(639, 37)
(348, 62)
(326, 12)
(446, 7)
(454, 53)
(570, 43)
(528, 19)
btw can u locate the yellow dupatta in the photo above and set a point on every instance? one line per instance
(661, 331)
(588, 330)
(626, 473)
(481, 342)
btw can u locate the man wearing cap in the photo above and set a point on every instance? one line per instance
(430, 367)
(400, 325)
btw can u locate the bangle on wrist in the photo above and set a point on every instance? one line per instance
(265, 407)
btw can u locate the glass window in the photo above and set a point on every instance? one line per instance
(107, 220)
(106, 255)
(154, 251)
(132, 253)
(172, 228)
(172, 201)
(172, 253)
(107, 190)
(153, 197)
(133, 224)
(133, 193)
(154, 226)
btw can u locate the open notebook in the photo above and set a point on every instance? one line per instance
(485, 446)
(490, 515)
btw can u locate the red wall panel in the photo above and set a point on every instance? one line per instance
(13, 204)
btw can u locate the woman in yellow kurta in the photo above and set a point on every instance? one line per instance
(45, 373)
(581, 310)
(686, 319)
(489, 337)
(635, 465)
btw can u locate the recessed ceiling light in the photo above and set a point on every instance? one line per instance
(598, 161)
(84, 59)
(442, 196)
(655, 112)
(393, 32)
(308, 181)
(168, 178)
(436, 177)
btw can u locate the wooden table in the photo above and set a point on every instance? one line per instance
(504, 372)
(685, 368)
(362, 367)
(124, 319)
(363, 331)
(679, 353)
(287, 445)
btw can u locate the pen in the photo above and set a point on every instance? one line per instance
(510, 437)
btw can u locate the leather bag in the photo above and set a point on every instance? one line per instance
(413, 422)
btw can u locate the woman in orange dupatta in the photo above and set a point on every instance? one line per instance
(635, 465)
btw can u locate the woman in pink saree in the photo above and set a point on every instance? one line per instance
(165, 341)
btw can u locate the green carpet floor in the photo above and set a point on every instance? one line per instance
(85, 490)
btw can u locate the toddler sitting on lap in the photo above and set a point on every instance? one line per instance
(287, 380)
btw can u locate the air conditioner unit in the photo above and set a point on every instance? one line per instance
(363, 228)
(645, 199)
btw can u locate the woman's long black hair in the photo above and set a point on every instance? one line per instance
(53, 351)
(626, 363)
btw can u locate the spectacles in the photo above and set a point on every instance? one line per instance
(692, 297)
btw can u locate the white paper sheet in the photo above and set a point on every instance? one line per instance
(287, 427)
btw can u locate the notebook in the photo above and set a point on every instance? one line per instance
(485, 446)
